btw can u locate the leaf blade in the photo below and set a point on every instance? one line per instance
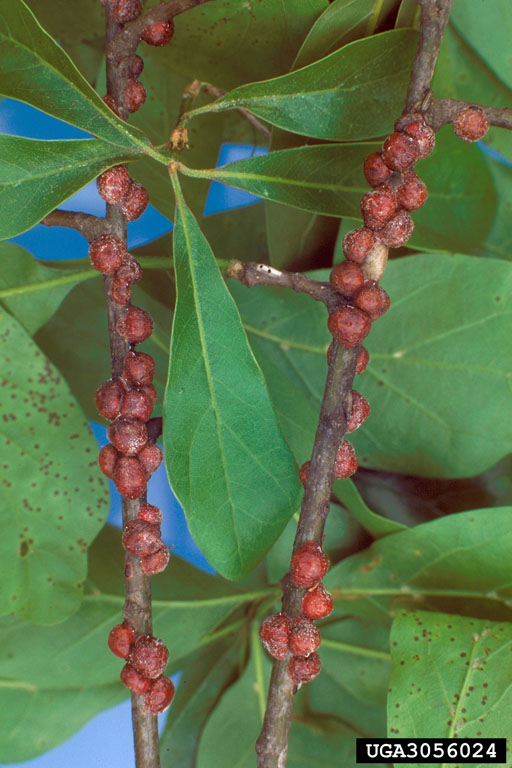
(22, 275)
(346, 96)
(342, 22)
(472, 658)
(37, 176)
(213, 391)
(48, 456)
(329, 180)
(69, 664)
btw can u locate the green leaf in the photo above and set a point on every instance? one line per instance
(36, 718)
(49, 465)
(36, 70)
(457, 564)
(158, 119)
(407, 14)
(463, 665)
(322, 740)
(82, 315)
(227, 233)
(487, 27)
(37, 176)
(296, 238)
(329, 180)
(31, 291)
(342, 22)
(325, 179)
(349, 95)
(222, 442)
(462, 200)
(328, 695)
(188, 606)
(231, 732)
(428, 377)
(201, 684)
(355, 672)
(412, 428)
(237, 43)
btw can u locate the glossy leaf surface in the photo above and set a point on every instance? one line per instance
(329, 180)
(342, 22)
(223, 43)
(36, 70)
(222, 441)
(487, 26)
(37, 176)
(348, 95)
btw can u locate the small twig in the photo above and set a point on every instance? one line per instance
(337, 402)
(250, 274)
(434, 18)
(188, 97)
(89, 226)
(435, 15)
(442, 111)
(179, 137)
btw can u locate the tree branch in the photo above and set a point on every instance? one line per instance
(250, 274)
(89, 226)
(336, 405)
(442, 111)
(434, 18)
(272, 744)
(137, 606)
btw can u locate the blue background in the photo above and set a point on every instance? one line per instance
(107, 739)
